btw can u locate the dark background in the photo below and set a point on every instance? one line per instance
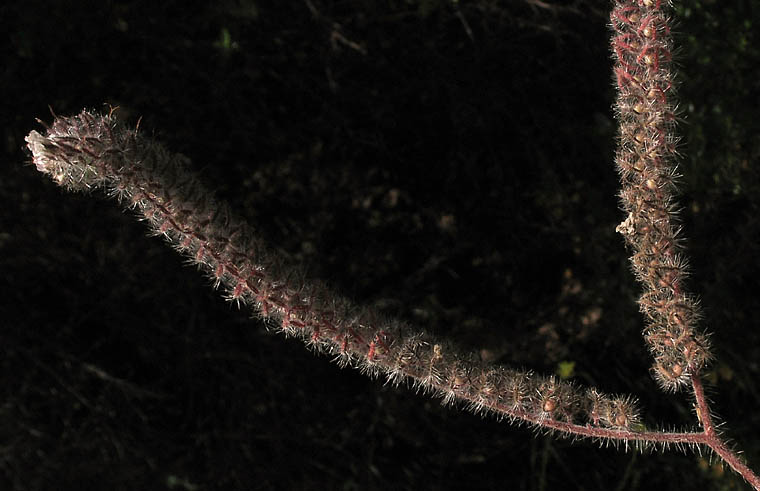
(449, 163)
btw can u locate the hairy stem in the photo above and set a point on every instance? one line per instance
(712, 437)
(91, 150)
(642, 47)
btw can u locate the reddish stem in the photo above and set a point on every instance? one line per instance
(713, 440)
(321, 318)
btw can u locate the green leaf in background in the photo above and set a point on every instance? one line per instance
(566, 369)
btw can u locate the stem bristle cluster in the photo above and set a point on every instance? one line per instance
(646, 161)
(91, 150)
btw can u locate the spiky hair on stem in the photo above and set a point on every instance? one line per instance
(91, 150)
(646, 162)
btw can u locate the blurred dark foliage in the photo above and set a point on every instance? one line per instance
(449, 162)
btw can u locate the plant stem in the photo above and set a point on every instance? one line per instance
(91, 150)
(712, 438)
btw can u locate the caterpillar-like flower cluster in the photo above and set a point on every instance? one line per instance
(645, 159)
(91, 150)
